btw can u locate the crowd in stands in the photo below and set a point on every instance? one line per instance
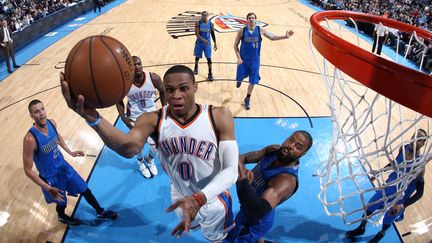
(413, 12)
(21, 13)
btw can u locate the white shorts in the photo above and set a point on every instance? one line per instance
(215, 218)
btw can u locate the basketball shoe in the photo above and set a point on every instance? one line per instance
(107, 214)
(143, 168)
(151, 165)
(68, 220)
(247, 103)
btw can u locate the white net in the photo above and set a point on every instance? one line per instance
(369, 131)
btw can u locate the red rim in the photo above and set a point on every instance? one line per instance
(404, 85)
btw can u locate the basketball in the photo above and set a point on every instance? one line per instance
(101, 69)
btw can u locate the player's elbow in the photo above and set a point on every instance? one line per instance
(28, 172)
(129, 150)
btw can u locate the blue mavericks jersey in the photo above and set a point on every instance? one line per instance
(263, 172)
(399, 159)
(204, 30)
(47, 157)
(251, 43)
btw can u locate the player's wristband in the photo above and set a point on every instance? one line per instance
(199, 199)
(96, 122)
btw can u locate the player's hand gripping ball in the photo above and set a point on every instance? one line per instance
(101, 69)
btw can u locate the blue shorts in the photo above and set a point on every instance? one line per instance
(391, 195)
(251, 232)
(200, 47)
(249, 68)
(67, 180)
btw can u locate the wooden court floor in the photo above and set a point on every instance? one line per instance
(288, 74)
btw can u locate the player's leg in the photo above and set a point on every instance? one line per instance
(360, 230)
(198, 54)
(149, 158)
(387, 221)
(77, 185)
(242, 73)
(142, 165)
(254, 78)
(246, 231)
(60, 206)
(208, 55)
(100, 212)
(210, 73)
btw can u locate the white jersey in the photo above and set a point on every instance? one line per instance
(141, 99)
(189, 153)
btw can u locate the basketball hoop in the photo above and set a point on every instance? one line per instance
(372, 118)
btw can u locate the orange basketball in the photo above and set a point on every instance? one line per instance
(101, 69)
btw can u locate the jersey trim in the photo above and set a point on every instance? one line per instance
(213, 123)
(37, 143)
(259, 33)
(190, 121)
(158, 125)
(226, 210)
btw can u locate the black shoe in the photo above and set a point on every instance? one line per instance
(10, 71)
(108, 214)
(238, 83)
(355, 232)
(247, 103)
(17, 66)
(69, 220)
(196, 70)
(377, 237)
(210, 77)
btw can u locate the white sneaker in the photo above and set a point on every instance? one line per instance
(143, 168)
(151, 166)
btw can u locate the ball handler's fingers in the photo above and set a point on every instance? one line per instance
(173, 206)
(65, 90)
(178, 230)
(80, 104)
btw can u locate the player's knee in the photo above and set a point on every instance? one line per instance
(209, 61)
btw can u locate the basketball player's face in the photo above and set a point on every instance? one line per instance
(138, 71)
(38, 114)
(204, 16)
(419, 142)
(293, 148)
(251, 20)
(180, 94)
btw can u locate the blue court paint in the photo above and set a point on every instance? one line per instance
(118, 184)
(27, 53)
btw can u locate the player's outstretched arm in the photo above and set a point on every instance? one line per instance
(228, 154)
(256, 156)
(273, 37)
(213, 35)
(126, 145)
(279, 189)
(63, 144)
